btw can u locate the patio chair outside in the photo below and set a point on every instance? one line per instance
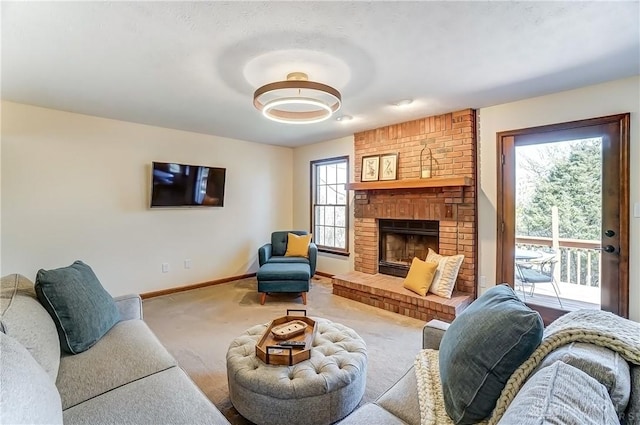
(537, 272)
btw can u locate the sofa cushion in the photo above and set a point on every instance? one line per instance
(78, 304)
(420, 276)
(401, 399)
(446, 274)
(561, 394)
(372, 414)
(26, 320)
(278, 259)
(167, 397)
(129, 351)
(297, 246)
(483, 346)
(27, 394)
(603, 365)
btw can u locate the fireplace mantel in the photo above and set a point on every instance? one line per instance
(412, 183)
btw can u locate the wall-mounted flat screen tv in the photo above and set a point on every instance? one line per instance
(182, 185)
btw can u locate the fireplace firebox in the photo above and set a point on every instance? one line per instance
(401, 240)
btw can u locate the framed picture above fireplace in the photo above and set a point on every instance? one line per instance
(389, 166)
(370, 168)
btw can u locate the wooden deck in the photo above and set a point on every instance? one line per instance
(573, 297)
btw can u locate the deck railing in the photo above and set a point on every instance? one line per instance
(579, 259)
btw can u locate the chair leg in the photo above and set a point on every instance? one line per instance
(524, 295)
(557, 291)
(522, 282)
(304, 298)
(263, 297)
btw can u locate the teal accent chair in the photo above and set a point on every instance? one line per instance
(278, 273)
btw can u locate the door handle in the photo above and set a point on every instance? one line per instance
(606, 248)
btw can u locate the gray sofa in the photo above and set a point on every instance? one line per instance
(399, 404)
(127, 377)
(619, 381)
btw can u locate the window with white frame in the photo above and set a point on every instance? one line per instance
(330, 204)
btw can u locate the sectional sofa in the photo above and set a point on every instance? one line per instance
(585, 371)
(127, 377)
(588, 376)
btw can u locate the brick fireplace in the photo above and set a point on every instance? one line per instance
(451, 208)
(401, 240)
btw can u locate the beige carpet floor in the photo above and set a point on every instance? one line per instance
(197, 326)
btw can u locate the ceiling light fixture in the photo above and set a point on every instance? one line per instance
(404, 102)
(344, 118)
(297, 100)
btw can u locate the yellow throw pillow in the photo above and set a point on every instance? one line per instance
(420, 276)
(297, 246)
(445, 278)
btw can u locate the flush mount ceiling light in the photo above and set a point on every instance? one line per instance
(403, 102)
(297, 100)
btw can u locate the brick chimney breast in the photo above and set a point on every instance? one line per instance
(452, 140)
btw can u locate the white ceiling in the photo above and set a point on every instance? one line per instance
(195, 65)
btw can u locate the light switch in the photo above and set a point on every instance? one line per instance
(636, 210)
(483, 281)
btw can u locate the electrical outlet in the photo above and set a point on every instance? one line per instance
(187, 263)
(483, 281)
(165, 267)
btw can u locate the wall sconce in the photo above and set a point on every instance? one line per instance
(426, 164)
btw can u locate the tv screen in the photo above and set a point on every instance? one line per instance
(182, 185)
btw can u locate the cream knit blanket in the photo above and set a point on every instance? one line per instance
(590, 326)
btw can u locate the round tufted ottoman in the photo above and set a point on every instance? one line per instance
(321, 390)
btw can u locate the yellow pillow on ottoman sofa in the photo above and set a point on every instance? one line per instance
(445, 279)
(297, 246)
(420, 276)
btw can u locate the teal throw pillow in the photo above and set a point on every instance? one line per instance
(482, 348)
(81, 308)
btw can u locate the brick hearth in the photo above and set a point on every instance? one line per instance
(386, 292)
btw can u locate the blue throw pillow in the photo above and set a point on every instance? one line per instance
(481, 350)
(78, 304)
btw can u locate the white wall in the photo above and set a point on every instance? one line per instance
(1, 274)
(77, 187)
(302, 156)
(611, 98)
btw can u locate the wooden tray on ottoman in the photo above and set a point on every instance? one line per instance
(268, 350)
